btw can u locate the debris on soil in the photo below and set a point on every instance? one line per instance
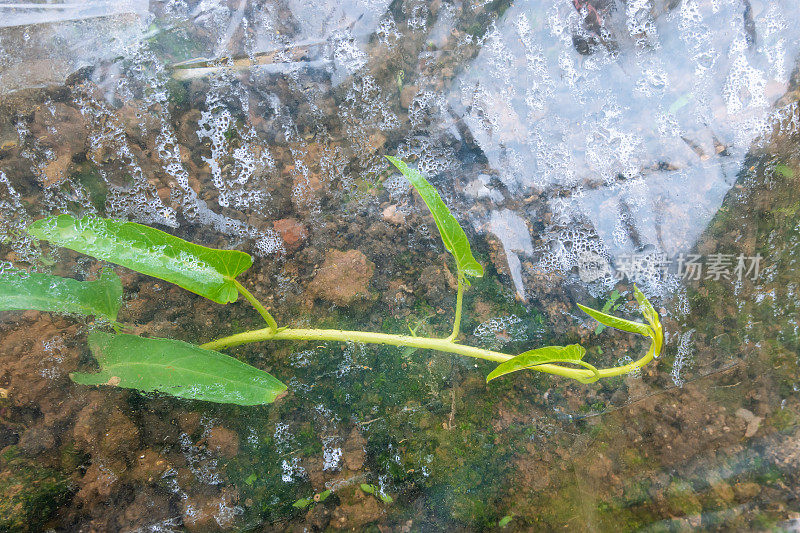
(393, 215)
(212, 512)
(292, 232)
(223, 441)
(354, 515)
(343, 278)
(752, 421)
(354, 450)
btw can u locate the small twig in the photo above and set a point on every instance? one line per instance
(727, 386)
(452, 409)
(290, 453)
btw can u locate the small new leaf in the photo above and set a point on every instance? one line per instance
(208, 272)
(650, 314)
(302, 503)
(654, 330)
(606, 308)
(571, 354)
(177, 368)
(375, 491)
(646, 308)
(453, 236)
(45, 292)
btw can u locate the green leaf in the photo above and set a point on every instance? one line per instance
(572, 354)
(408, 351)
(205, 271)
(45, 292)
(324, 495)
(453, 236)
(302, 503)
(372, 489)
(503, 522)
(177, 368)
(618, 323)
(784, 171)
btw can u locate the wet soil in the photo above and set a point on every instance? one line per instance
(715, 449)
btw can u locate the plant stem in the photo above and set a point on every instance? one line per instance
(459, 299)
(442, 345)
(273, 326)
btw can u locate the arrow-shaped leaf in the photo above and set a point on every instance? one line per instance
(177, 368)
(208, 272)
(45, 292)
(572, 354)
(453, 236)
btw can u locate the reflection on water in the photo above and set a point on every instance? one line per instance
(569, 135)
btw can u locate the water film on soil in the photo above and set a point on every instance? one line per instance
(585, 145)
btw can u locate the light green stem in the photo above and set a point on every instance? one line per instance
(459, 300)
(442, 345)
(273, 326)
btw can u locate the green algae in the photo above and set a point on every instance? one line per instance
(31, 494)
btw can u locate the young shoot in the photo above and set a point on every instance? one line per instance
(201, 372)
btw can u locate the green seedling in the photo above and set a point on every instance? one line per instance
(201, 372)
(376, 491)
(303, 503)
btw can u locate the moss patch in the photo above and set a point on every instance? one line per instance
(29, 494)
